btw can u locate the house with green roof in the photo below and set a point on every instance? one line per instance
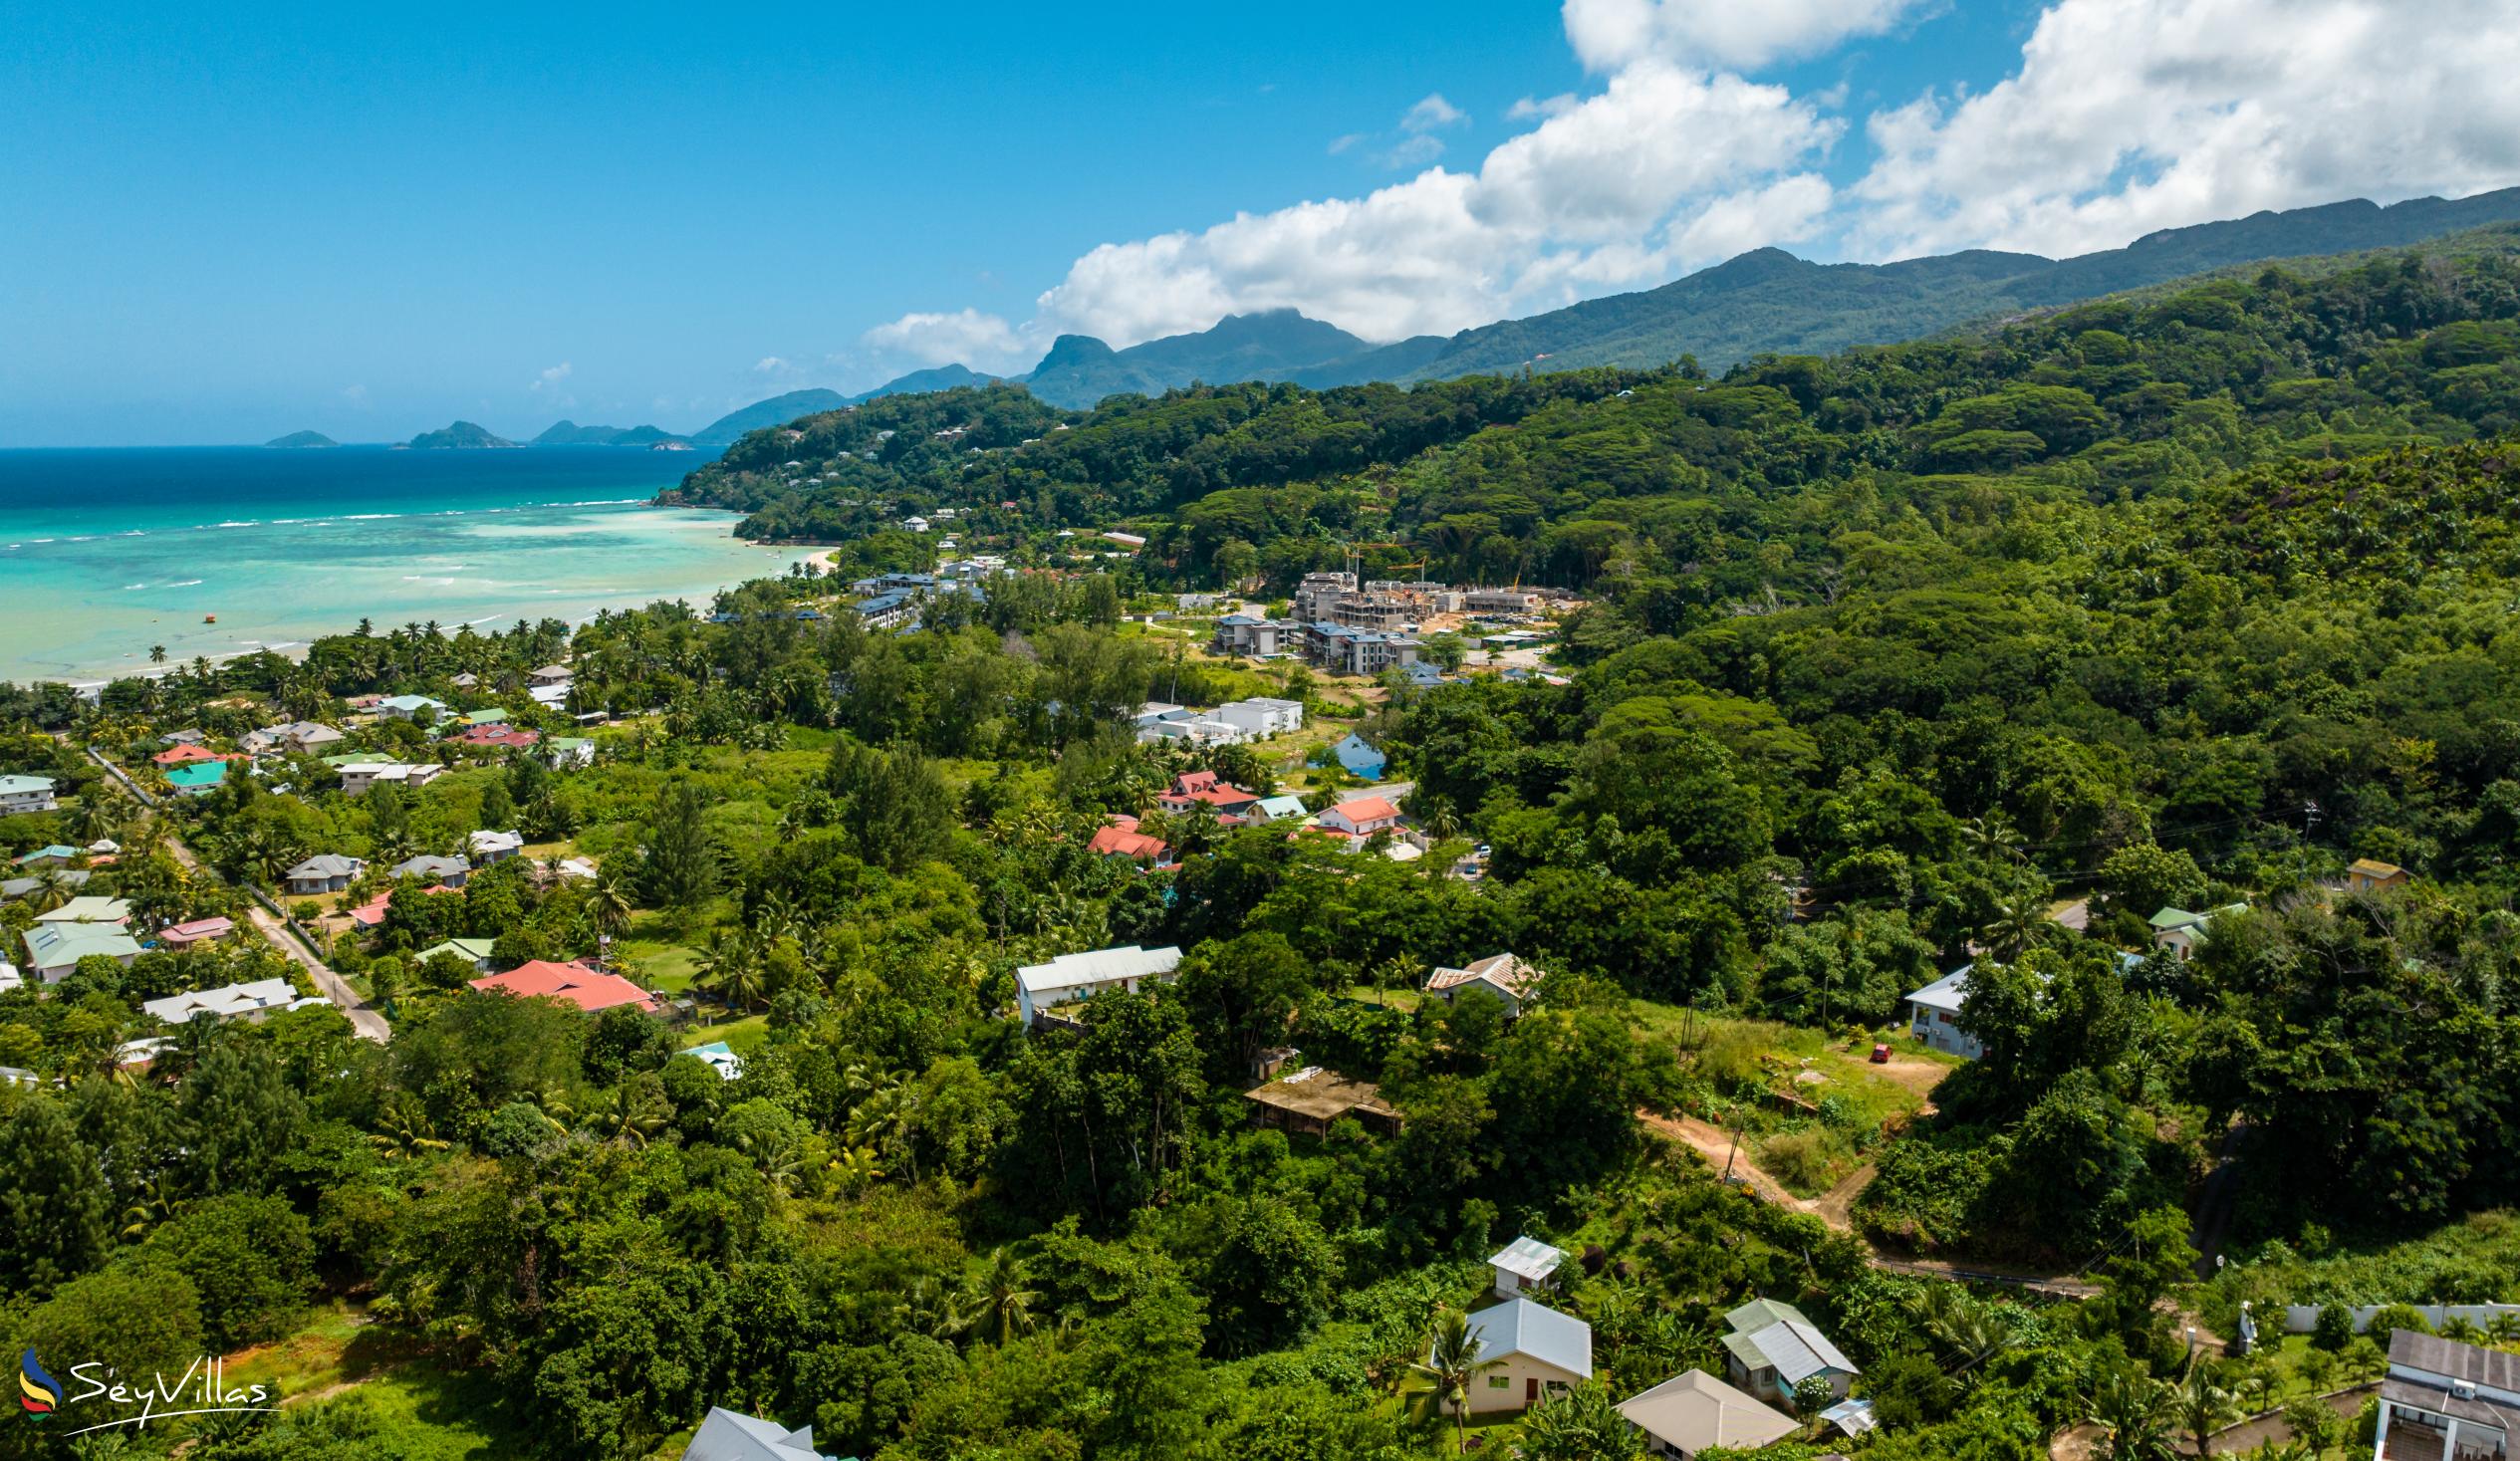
(51, 856)
(196, 778)
(2182, 933)
(473, 951)
(54, 949)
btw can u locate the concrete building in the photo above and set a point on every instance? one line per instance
(1041, 988)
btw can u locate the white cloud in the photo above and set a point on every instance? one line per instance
(771, 365)
(354, 394)
(971, 337)
(1431, 112)
(1610, 35)
(1413, 151)
(1531, 109)
(550, 379)
(2128, 115)
(1339, 145)
(1563, 210)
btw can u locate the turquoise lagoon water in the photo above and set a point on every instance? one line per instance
(105, 553)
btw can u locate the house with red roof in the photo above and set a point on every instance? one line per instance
(1362, 817)
(1206, 787)
(198, 932)
(505, 736)
(371, 913)
(186, 754)
(1119, 837)
(591, 990)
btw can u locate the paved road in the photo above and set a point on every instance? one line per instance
(366, 1021)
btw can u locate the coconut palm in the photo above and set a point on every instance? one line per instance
(730, 968)
(2203, 1407)
(609, 901)
(1002, 1297)
(887, 1121)
(856, 1167)
(1445, 1376)
(404, 1130)
(619, 1115)
(931, 1308)
(54, 886)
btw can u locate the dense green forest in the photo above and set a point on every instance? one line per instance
(2182, 600)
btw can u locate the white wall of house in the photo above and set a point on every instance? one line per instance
(1518, 1384)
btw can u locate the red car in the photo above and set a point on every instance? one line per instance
(1880, 1055)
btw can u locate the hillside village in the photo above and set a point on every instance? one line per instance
(1932, 952)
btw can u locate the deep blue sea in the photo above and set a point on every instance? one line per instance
(107, 553)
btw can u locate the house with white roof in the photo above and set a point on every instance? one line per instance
(718, 1055)
(26, 794)
(727, 1436)
(358, 777)
(1261, 715)
(1526, 1263)
(54, 949)
(551, 674)
(411, 707)
(495, 847)
(228, 1002)
(1772, 1349)
(448, 871)
(1506, 977)
(1933, 1015)
(1281, 808)
(1527, 1353)
(1693, 1411)
(1040, 988)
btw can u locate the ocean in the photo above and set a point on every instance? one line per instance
(105, 553)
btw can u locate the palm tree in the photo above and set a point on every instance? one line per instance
(404, 1130)
(54, 886)
(158, 655)
(619, 1116)
(887, 1121)
(1969, 1332)
(730, 968)
(2014, 928)
(1000, 1295)
(2203, 1407)
(1452, 1361)
(609, 900)
(2133, 1412)
(931, 1308)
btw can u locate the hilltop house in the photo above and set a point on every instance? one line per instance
(1933, 1015)
(1504, 976)
(1529, 1353)
(1772, 1349)
(325, 872)
(1693, 1411)
(1040, 988)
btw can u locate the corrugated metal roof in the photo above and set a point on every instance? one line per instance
(1693, 1411)
(1520, 1326)
(1100, 966)
(1527, 1256)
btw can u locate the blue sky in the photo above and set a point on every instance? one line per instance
(369, 220)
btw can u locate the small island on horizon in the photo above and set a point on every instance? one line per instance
(458, 436)
(297, 440)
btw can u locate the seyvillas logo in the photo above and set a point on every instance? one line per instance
(38, 1392)
(202, 1389)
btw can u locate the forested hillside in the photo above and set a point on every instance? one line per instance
(1552, 479)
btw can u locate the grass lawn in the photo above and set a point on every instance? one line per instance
(1404, 1000)
(665, 967)
(742, 1035)
(427, 1412)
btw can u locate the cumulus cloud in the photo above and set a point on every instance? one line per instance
(1577, 203)
(1608, 35)
(968, 336)
(771, 365)
(1431, 112)
(2128, 115)
(1532, 108)
(550, 379)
